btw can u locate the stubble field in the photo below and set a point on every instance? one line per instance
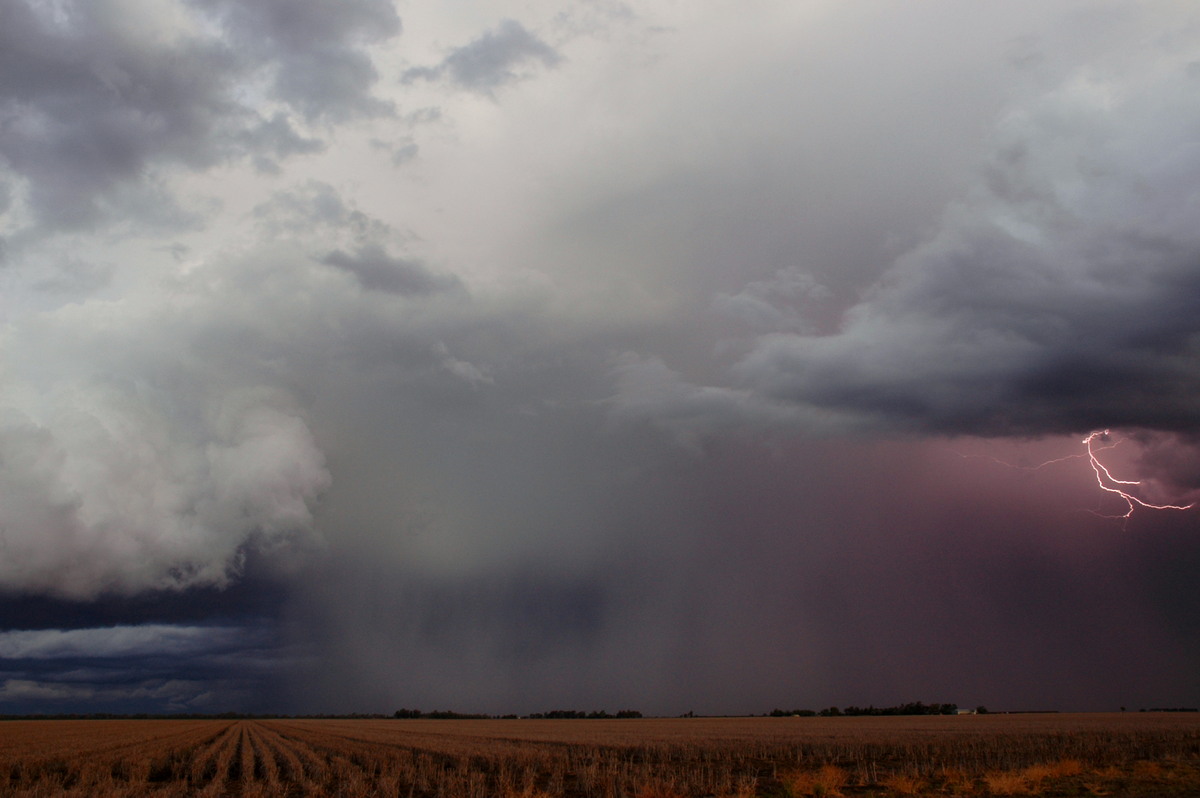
(1094, 754)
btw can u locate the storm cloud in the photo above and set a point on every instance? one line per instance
(595, 355)
(1059, 295)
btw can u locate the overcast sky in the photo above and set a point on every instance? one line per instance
(502, 357)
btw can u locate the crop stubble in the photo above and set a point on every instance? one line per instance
(1131, 754)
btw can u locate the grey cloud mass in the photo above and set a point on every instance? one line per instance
(88, 107)
(376, 270)
(1060, 295)
(313, 50)
(492, 60)
(94, 104)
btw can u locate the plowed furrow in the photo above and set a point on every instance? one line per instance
(243, 770)
(210, 765)
(313, 766)
(287, 762)
(266, 768)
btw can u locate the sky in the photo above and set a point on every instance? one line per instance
(504, 357)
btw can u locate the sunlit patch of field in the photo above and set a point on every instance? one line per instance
(1047, 755)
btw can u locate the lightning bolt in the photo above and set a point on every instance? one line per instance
(1096, 442)
(1111, 484)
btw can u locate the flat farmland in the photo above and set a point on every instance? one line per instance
(1059, 754)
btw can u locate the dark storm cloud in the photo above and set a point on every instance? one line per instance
(964, 350)
(199, 650)
(1173, 458)
(252, 598)
(113, 642)
(376, 270)
(1062, 295)
(90, 107)
(155, 668)
(492, 60)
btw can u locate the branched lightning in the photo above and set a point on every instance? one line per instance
(1096, 442)
(1109, 483)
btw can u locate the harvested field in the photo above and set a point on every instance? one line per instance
(1095, 754)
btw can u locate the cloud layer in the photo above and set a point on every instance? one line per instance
(98, 109)
(595, 355)
(1059, 296)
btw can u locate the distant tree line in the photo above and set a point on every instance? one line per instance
(914, 708)
(439, 714)
(554, 714)
(577, 714)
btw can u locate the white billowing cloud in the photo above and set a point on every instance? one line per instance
(146, 443)
(154, 437)
(107, 487)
